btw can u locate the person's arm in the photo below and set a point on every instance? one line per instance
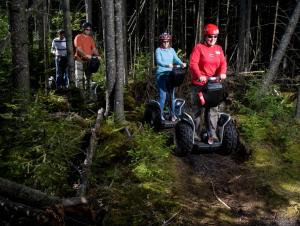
(82, 54)
(194, 64)
(176, 59)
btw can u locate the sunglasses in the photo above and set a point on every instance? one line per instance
(212, 36)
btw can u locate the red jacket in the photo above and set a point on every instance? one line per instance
(207, 61)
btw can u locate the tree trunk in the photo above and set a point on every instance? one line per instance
(124, 2)
(151, 34)
(285, 40)
(297, 115)
(88, 10)
(68, 32)
(45, 41)
(244, 35)
(227, 25)
(120, 64)
(200, 22)
(19, 45)
(274, 30)
(110, 53)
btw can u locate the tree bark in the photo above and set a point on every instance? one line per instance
(68, 32)
(200, 22)
(244, 35)
(151, 34)
(88, 10)
(19, 45)
(297, 115)
(274, 30)
(24, 194)
(124, 2)
(120, 64)
(110, 53)
(32, 197)
(279, 54)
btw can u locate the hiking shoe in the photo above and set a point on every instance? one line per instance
(174, 118)
(210, 140)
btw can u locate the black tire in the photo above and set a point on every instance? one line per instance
(230, 139)
(183, 138)
(152, 117)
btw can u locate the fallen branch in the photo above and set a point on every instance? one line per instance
(20, 210)
(169, 220)
(86, 168)
(220, 200)
(32, 197)
(26, 195)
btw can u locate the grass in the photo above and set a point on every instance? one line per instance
(272, 134)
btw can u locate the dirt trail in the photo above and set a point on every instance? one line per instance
(216, 190)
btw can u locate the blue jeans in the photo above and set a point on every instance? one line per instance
(62, 77)
(166, 90)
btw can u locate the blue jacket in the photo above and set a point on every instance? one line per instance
(164, 57)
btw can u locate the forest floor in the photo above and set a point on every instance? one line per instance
(218, 190)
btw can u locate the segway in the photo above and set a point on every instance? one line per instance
(186, 133)
(152, 114)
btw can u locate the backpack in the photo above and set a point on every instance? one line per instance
(93, 64)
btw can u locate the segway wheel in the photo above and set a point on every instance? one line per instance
(183, 138)
(230, 139)
(152, 117)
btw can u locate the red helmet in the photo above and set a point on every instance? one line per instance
(211, 29)
(165, 37)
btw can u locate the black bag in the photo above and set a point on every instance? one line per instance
(93, 64)
(213, 94)
(177, 76)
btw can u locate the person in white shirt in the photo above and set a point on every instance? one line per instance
(59, 50)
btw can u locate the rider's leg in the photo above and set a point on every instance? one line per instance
(211, 120)
(197, 111)
(161, 84)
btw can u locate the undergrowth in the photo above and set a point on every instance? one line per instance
(37, 146)
(267, 125)
(133, 173)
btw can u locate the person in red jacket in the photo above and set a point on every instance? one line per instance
(207, 59)
(85, 50)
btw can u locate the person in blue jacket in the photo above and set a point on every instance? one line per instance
(166, 58)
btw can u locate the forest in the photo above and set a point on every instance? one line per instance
(72, 155)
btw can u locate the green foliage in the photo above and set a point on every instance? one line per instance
(140, 71)
(6, 54)
(272, 105)
(76, 19)
(133, 174)
(3, 24)
(148, 155)
(36, 147)
(267, 125)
